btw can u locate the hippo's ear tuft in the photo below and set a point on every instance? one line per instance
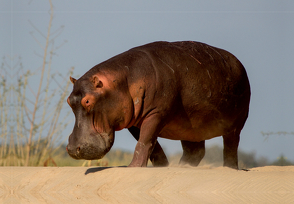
(73, 80)
(97, 83)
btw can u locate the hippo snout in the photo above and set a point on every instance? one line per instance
(88, 149)
(88, 152)
(89, 146)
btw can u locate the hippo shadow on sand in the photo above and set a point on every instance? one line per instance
(97, 169)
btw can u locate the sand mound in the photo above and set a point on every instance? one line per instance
(146, 185)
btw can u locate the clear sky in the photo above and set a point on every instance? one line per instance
(259, 32)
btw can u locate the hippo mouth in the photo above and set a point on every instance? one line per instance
(87, 152)
(96, 147)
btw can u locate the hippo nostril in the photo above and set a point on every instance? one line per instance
(78, 149)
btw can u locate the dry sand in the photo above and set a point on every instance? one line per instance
(146, 185)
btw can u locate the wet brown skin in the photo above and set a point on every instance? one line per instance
(186, 91)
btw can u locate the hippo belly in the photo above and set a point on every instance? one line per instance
(193, 129)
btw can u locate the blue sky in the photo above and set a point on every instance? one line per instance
(259, 33)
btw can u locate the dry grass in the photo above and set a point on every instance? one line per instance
(32, 116)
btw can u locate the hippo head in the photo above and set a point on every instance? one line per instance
(92, 135)
(101, 105)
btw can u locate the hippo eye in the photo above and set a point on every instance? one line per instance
(87, 101)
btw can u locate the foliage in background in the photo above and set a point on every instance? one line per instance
(116, 157)
(4, 112)
(31, 104)
(214, 157)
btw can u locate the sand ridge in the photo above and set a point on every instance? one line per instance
(268, 184)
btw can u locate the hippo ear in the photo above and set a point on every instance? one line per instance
(73, 80)
(97, 83)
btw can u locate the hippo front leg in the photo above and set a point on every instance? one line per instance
(157, 157)
(147, 141)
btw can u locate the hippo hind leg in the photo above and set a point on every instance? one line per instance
(193, 152)
(231, 143)
(157, 157)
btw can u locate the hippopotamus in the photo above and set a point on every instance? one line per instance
(187, 91)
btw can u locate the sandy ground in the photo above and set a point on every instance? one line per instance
(146, 185)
